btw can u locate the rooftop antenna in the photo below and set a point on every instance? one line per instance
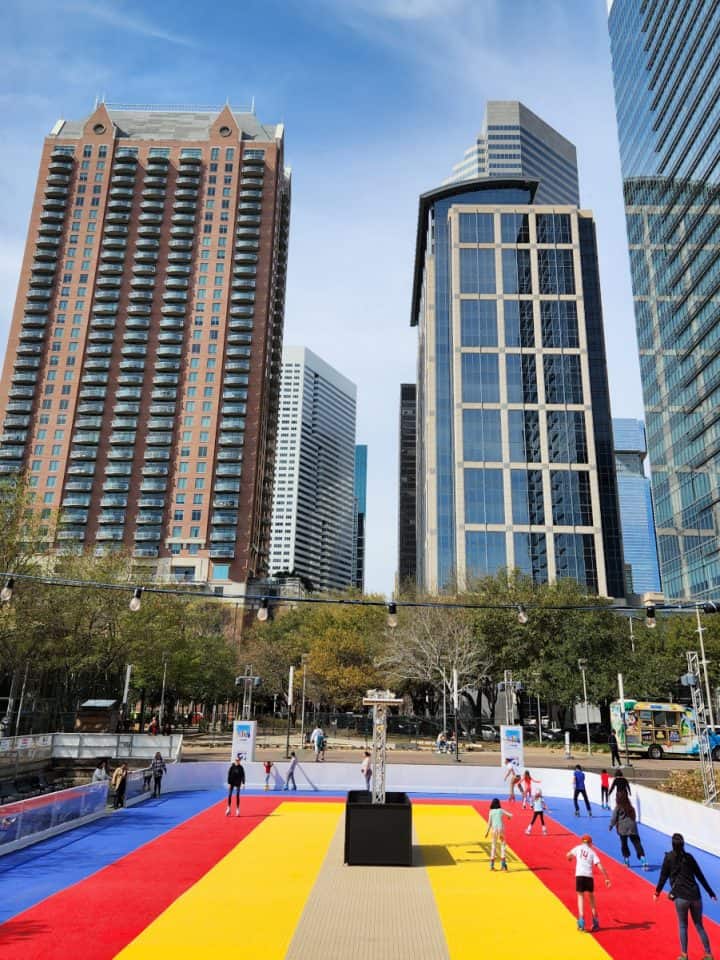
(252, 107)
(97, 101)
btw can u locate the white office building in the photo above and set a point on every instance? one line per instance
(313, 501)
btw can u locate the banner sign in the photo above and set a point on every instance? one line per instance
(243, 741)
(511, 744)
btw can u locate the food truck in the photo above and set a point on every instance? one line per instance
(656, 729)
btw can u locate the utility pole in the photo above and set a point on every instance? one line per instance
(583, 664)
(703, 663)
(455, 705)
(303, 663)
(289, 706)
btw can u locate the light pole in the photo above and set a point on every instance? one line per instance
(289, 706)
(703, 664)
(162, 694)
(303, 662)
(455, 705)
(583, 664)
(632, 635)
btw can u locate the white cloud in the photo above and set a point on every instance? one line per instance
(114, 16)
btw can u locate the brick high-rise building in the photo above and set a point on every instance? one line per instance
(141, 380)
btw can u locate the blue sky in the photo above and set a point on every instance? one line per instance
(380, 98)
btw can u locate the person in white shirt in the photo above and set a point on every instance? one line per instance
(317, 739)
(512, 774)
(585, 860)
(366, 769)
(100, 773)
(290, 775)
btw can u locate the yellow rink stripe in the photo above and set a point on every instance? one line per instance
(250, 903)
(492, 914)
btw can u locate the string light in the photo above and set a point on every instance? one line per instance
(392, 620)
(521, 614)
(263, 610)
(7, 590)
(136, 601)
(650, 620)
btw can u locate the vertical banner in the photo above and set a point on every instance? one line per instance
(243, 741)
(511, 744)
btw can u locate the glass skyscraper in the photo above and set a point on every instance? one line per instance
(515, 464)
(313, 517)
(360, 512)
(636, 510)
(514, 142)
(407, 540)
(667, 92)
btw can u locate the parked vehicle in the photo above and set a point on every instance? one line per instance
(656, 729)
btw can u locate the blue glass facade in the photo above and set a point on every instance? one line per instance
(667, 91)
(636, 510)
(514, 441)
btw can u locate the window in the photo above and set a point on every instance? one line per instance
(519, 324)
(484, 553)
(524, 430)
(514, 228)
(476, 228)
(531, 555)
(484, 496)
(556, 271)
(559, 323)
(566, 436)
(478, 323)
(527, 496)
(571, 503)
(516, 271)
(575, 558)
(563, 382)
(521, 378)
(480, 378)
(477, 270)
(481, 435)
(553, 228)
(196, 515)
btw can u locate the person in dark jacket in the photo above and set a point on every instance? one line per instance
(684, 872)
(625, 819)
(236, 780)
(158, 768)
(614, 749)
(621, 785)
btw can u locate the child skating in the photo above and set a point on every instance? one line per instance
(267, 766)
(526, 789)
(496, 826)
(579, 790)
(585, 859)
(604, 789)
(512, 775)
(539, 808)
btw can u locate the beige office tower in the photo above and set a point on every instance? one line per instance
(140, 387)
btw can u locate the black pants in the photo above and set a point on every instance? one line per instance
(604, 795)
(237, 794)
(580, 793)
(614, 757)
(636, 842)
(157, 780)
(536, 814)
(120, 796)
(694, 907)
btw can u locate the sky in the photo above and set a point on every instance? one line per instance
(379, 99)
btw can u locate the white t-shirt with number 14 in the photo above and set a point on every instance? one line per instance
(585, 860)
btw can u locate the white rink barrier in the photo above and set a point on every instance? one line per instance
(699, 825)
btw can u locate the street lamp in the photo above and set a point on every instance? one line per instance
(303, 662)
(162, 694)
(582, 664)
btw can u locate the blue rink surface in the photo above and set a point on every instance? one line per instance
(30, 875)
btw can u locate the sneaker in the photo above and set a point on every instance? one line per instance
(589, 813)
(503, 865)
(577, 813)
(492, 864)
(237, 812)
(581, 924)
(595, 925)
(528, 831)
(626, 861)
(227, 812)
(645, 865)
(544, 830)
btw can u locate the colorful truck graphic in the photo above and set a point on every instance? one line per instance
(657, 729)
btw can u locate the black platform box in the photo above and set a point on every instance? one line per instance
(380, 834)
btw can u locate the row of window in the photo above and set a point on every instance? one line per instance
(556, 271)
(558, 323)
(554, 228)
(571, 503)
(481, 378)
(482, 438)
(575, 557)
